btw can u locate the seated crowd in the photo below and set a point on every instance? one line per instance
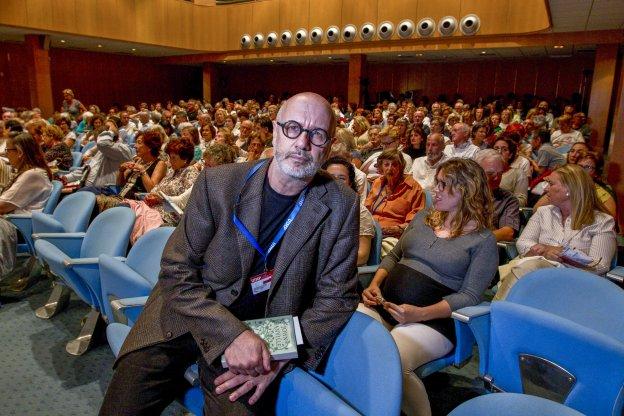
(444, 181)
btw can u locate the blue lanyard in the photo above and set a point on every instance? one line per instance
(280, 234)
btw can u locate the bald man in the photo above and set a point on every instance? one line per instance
(212, 278)
(424, 168)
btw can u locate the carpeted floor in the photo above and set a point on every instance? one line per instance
(38, 378)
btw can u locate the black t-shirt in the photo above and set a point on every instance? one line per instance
(274, 212)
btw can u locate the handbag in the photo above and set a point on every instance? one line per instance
(517, 268)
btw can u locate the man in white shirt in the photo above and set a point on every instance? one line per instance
(461, 146)
(424, 168)
(246, 129)
(565, 136)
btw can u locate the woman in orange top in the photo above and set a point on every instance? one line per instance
(395, 197)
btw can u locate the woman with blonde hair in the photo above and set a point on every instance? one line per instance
(444, 261)
(360, 127)
(574, 222)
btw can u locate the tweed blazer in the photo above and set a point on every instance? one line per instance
(207, 261)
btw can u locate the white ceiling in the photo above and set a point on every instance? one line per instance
(567, 16)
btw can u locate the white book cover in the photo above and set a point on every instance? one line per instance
(281, 333)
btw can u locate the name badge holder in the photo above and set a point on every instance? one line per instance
(262, 282)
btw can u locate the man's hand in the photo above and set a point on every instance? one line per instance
(248, 355)
(244, 383)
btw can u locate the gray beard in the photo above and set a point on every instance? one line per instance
(304, 172)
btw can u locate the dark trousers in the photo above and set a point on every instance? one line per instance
(146, 381)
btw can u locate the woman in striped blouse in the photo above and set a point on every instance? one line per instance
(575, 219)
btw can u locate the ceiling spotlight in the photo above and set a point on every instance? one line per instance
(62, 40)
(133, 49)
(99, 46)
(483, 52)
(271, 60)
(558, 46)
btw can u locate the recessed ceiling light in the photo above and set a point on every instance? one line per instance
(133, 49)
(99, 46)
(558, 46)
(271, 60)
(483, 52)
(329, 57)
(399, 55)
(62, 40)
(419, 54)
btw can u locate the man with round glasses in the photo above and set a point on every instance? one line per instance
(258, 239)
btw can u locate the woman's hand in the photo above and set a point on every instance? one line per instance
(404, 314)
(549, 252)
(371, 295)
(392, 231)
(126, 166)
(151, 200)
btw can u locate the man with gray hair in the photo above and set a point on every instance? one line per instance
(506, 215)
(424, 168)
(228, 262)
(461, 146)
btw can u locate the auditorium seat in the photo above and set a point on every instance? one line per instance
(559, 334)
(73, 257)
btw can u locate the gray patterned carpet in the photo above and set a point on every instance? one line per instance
(38, 378)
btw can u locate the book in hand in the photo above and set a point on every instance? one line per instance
(577, 258)
(169, 205)
(281, 333)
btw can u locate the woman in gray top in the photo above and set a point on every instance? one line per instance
(444, 261)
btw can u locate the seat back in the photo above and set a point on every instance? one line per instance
(364, 368)
(144, 256)
(576, 295)
(109, 233)
(74, 211)
(375, 254)
(559, 334)
(76, 159)
(57, 186)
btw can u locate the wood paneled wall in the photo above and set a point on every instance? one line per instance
(262, 80)
(182, 24)
(99, 78)
(546, 77)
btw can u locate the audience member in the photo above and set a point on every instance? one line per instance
(444, 261)
(461, 146)
(56, 151)
(28, 190)
(342, 170)
(424, 168)
(513, 180)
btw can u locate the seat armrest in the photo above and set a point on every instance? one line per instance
(85, 261)
(477, 319)
(616, 274)
(468, 313)
(67, 236)
(127, 309)
(18, 216)
(68, 243)
(81, 261)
